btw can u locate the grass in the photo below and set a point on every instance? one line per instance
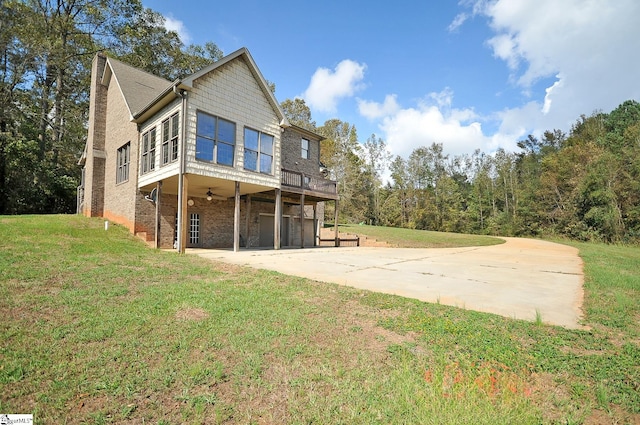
(409, 238)
(98, 328)
(612, 272)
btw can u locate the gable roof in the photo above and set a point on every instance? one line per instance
(138, 87)
(145, 93)
(242, 53)
(308, 133)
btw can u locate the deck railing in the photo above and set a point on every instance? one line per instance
(302, 181)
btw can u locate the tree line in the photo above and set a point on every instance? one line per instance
(583, 185)
(46, 49)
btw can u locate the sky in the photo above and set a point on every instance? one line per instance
(470, 74)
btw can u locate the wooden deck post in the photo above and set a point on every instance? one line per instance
(236, 220)
(247, 212)
(316, 230)
(302, 221)
(156, 243)
(277, 224)
(335, 226)
(182, 243)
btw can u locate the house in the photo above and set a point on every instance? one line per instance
(207, 161)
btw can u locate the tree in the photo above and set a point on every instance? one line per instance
(298, 113)
(50, 44)
(391, 211)
(481, 194)
(598, 203)
(46, 48)
(426, 168)
(617, 122)
(400, 188)
(342, 155)
(143, 41)
(377, 158)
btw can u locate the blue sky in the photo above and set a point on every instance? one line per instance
(470, 74)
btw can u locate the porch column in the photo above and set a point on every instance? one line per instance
(182, 216)
(335, 226)
(316, 231)
(158, 197)
(236, 220)
(247, 212)
(277, 223)
(302, 221)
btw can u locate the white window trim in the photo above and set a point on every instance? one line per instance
(170, 128)
(194, 229)
(259, 151)
(216, 140)
(148, 152)
(123, 156)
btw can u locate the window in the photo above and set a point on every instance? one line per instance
(174, 136)
(305, 148)
(215, 139)
(258, 151)
(165, 142)
(122, 160)
(148, 151)
(194, 229)
(170, 131)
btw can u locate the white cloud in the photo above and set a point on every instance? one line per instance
(589, 46)
(457, 22)
(586, 49)
(548, 98)
(515, 125)
(405, 129)
(504, 47)
(374, 110)
(327, 87)
(177, 25)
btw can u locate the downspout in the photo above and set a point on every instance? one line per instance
(183, 165)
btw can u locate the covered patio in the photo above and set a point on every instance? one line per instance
(247, 215)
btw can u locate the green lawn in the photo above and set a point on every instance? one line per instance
(408, 238)
(98, 328)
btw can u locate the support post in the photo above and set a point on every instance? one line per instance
(182, 235)
(277, 224)
(158, 197)
(316, 231)
(247, 212)
(302, 221)
(236, 220)
(335, 226)
(183, 191)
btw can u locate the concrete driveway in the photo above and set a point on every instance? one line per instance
(519, 279)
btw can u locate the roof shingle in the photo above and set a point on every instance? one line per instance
(138, 87)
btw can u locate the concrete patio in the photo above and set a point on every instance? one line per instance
(521, 278)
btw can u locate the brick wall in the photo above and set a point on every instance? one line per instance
(216, 220)
(96, 188)
(119, 198)
(292, 153)
(94, 167)
(145, 217)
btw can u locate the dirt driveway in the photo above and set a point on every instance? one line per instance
(521, 278)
